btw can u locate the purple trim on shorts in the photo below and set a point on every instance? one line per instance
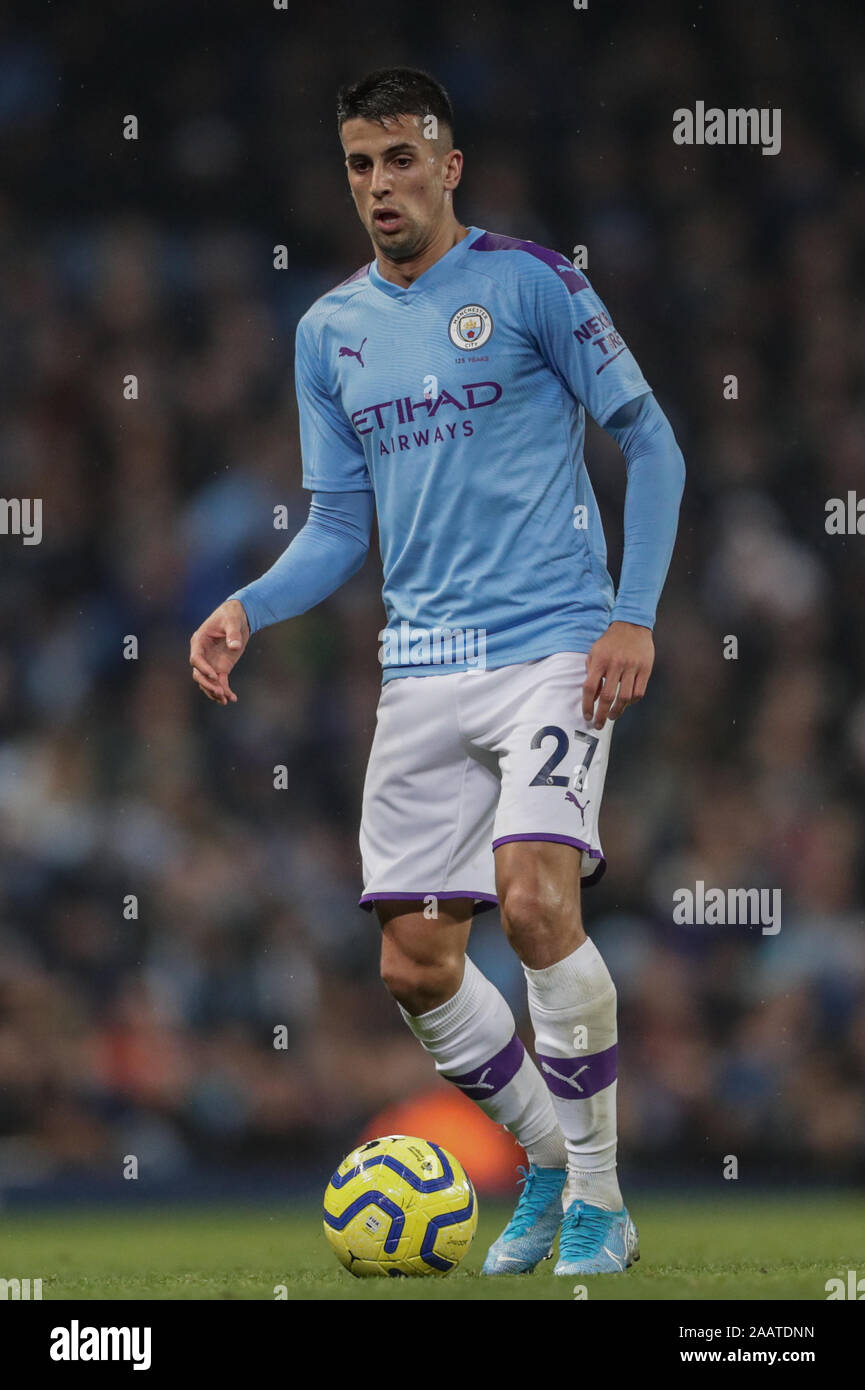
(484, 901)
(589, 880)
(558, 839)
(577, 1078)
(484, 1081)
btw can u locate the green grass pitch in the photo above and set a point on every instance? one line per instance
(734, 1248)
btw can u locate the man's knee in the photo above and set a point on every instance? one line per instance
(422, 960)
(419, 982)
(541, 921)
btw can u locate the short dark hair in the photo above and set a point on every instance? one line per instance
(391, 92)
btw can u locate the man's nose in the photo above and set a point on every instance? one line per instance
(380, 183)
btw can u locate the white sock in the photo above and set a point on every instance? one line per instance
(549, 1151)
(573, 1011)
(472, 1039)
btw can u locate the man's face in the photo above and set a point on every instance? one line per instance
(401, 182)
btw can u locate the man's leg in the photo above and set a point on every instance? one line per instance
(572, 1003)
(462, 1020)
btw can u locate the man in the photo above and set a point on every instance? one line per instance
(446, 385)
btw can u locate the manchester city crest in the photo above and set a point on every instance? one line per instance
(470, 327)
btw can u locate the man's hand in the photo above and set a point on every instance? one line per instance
(620, 661)
(216, 647)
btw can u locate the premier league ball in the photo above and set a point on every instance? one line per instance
(400, 1206)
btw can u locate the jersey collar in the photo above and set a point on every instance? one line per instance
(435, 274)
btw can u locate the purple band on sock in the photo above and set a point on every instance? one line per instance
(577, 1078)
(491, 1076)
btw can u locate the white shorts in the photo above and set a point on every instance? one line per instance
(465, 762)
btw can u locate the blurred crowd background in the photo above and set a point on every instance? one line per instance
(148, 1030)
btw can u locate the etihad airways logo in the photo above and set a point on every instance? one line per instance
(384, 415)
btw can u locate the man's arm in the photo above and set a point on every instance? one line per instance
(324, 554)
(620, 662)
(327, 551)
(576, 336)
(656, 479)
(335, 539)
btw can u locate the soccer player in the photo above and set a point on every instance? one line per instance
(445, 384)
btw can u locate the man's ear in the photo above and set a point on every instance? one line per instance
(453, 168)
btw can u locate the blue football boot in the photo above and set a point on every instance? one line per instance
(595, 1241)
(529, 1235)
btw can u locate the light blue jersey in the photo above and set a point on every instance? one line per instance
(460, 401)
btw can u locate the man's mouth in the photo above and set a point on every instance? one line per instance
(388, 219)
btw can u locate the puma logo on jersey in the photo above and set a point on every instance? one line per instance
(350, 352)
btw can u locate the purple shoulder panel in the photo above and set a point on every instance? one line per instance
(493, 241)
(358, 275)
